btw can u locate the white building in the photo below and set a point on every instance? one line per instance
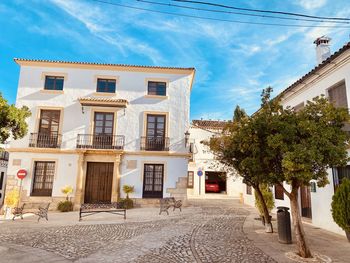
(332, 78)
(215, 181)
(97, 127)
(4, 157)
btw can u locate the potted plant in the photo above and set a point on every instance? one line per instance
(11, 201)
(341, 206)
(67, 205)
(269, 200)
(127, 202)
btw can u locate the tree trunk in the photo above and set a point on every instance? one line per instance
(303, 247)
(268, 224)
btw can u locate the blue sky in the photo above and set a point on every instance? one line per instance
(234, 62)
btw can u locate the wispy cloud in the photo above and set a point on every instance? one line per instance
(98, 22)
(311, 4)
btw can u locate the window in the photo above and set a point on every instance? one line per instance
(298, 107)
(48, 133)
(337, 95)
(2, 179)
(340, 173)
(157, 88)
(190, 176)
(249, 190)
(279, 194)
(54, 83)
(43, 178)
(153, 181)
(106, 85)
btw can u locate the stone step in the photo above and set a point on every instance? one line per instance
(177, 190)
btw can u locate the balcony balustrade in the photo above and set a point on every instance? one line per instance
(104, 141)
(45, 140)
(155, 143)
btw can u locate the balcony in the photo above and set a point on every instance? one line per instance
(155, 143)
(45, 140)
(106, 142)
(4, 156)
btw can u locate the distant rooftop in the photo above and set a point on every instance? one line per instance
(209, 124)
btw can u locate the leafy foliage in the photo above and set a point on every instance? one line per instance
(341, 205)
(268, 198)
(65, 206)
(12, 198)
(67, 190)
(12, 121)
(128, 189)
(127, 203)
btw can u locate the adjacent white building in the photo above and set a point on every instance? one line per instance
(97, 127)
(330, 77)
(4, 157)
(213, 181)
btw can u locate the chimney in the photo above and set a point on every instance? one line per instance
(323, 50)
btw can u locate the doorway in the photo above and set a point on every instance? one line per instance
(305, 200)
(98, 186)
(215, 182)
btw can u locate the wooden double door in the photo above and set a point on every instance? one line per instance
(305, 201)
(98, 185)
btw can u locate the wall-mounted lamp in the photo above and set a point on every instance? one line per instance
(187, 138)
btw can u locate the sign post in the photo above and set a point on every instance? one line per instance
(199, 173)
(21, 174)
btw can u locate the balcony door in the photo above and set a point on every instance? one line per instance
(153, 180)
(48, 128)
(103, 130)
(155, 134)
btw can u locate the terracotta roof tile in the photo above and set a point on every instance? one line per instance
(209, 124)
(98, 64)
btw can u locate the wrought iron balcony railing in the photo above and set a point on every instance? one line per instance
(155, 143)
(45, 140)
(4, 155)
(104, 141)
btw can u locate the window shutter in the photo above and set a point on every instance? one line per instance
(337, 95)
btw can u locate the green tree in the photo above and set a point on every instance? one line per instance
(12, 120)
(304, 145)
(278, 144)
(243, 147)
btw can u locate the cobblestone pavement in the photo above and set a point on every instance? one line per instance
(212, 233)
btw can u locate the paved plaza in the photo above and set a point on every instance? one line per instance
(206, 231)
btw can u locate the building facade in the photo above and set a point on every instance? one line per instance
(97, 127)
(331, 77)
(4, 157)
(215, 181)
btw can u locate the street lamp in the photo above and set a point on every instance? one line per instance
(187, 137)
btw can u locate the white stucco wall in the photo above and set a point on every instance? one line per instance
(131, 86)
(174, 167)
(65, 166)
(204, 159)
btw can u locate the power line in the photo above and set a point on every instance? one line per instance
(262, 11)
(240, 13)
(217, 19)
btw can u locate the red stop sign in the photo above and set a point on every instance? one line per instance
(21, 174)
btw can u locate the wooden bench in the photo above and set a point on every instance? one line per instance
(42, 211)
(112, 208)
(167, 202)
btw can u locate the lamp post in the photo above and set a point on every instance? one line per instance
(187, 138)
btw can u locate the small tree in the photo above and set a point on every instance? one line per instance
(67, 190)
(12, 198)
(243, 147)
(128, 189)
(67, 205)
(12, 121)
(341, 206)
